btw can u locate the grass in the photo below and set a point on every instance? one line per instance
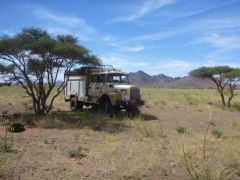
(143, 130)
(199, 164)
(202, 99)
(194, 98)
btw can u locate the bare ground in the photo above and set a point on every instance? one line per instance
(147, 149)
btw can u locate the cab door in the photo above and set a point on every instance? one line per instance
(100, 85)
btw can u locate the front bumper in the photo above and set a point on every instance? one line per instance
(131, 103)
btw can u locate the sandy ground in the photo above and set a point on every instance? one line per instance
(126, 153)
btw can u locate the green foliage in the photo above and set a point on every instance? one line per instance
(209, 72)
(45, 141)
(76, 153)
(217, 133)
(181, 130)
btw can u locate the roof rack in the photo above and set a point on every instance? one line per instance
(91, 69)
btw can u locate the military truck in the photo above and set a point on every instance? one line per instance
(103, 88)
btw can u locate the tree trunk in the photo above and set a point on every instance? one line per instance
(229, 101)
(39, 108)
(222, 98)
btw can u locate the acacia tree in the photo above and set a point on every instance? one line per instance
(225, 78)
(233, 78)
(34, 59)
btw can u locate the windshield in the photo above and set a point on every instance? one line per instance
(117, 78)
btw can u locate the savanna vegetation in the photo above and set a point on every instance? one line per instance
(180, 133)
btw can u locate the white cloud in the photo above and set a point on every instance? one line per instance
(7, 32)
(57, 30)
(222, 42)
(122, 62)
(146, 8)
(133, 49)
(170, 67)
(177, 65)
(69, 21)
(153, 36)
(115, 42)
(222, 23)
(110, 38)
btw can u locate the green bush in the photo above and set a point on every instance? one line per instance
(217, 133)
(76, 153)
(181, 130)
(6, 145)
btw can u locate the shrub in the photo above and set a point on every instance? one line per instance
(6, 145)
(6, 142)
(76, 153)
(45, 141)
(217, 133)
(181, 130)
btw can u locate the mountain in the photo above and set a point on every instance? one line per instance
(143, 79)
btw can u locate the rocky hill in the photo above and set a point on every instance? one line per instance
(143, 79)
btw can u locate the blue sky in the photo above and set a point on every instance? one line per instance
(156, 36)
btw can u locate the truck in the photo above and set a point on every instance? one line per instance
(103, 88)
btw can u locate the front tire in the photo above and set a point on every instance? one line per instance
(106, 107)
(75, 104)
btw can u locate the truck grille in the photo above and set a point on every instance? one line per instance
(134, 93)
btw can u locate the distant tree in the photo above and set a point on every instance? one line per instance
(233, 78)
(225, 78)
(34, 59)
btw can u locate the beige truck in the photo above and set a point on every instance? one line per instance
(104, 88)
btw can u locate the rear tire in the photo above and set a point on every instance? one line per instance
(75, 104)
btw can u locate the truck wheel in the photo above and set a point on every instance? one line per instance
(106, 107)
(75, 105)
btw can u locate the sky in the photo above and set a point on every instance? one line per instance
(156, 36)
